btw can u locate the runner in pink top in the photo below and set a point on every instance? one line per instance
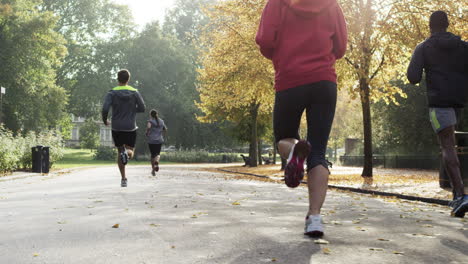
(304, 38)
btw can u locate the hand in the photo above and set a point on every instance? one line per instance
(107, 123)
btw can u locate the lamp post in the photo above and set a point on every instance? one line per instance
(2, 92)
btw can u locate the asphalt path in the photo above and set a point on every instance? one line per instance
(188, 215)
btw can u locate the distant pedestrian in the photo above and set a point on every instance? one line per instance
(444, 58)
(125, 102)
(304, 38)
(155, 132)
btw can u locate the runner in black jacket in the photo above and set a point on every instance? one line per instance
(444, 59)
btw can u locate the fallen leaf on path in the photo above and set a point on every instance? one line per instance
(398, 253)
(464, 229)
(273, 259)
(194, 216)
(172, 246)
(326, 251)
(428, 226)
(336, 223)
(376, 249)
(61, 222)
(383, 239)
(98, 201)
(356, 222)
(236, 203)
(116, 226)
(154, 225)
(321, 242)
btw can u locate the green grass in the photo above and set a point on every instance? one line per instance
(74, 158)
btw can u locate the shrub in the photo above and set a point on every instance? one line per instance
(200, 157)
(105, 153)
(15, 151)
(89, 135)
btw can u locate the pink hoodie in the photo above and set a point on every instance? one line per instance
(303, 39)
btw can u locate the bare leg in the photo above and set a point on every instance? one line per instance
(120, 164)
(317, 182)
(285, 146)
(452, 164)
(156, 163)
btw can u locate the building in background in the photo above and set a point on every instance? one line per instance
(105, 133)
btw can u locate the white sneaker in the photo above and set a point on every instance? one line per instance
(313, 226)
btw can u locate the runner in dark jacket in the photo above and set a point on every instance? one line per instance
(444, 59)
(125, 102)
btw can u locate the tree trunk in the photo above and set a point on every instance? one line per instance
(253, 135)
(274, 151)
(283, 163)
(260, 161)
(336, 152)
(366, 113)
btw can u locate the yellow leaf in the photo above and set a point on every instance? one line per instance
(398, 253)
(273, 260)
(376, 249)
(236, 203)
(116, 226)
(35, 254)
(321, 242)
(326, 251)
(383, 239)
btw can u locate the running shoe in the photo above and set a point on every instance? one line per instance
(294, 171)
(156, 166)
(460, 206)
(313, 226)
(153, 173)
(123, 183)
(124, 157)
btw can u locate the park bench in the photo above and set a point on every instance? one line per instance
(246, 160)
(267, 161)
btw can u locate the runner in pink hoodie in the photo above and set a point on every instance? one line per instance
(304, 38)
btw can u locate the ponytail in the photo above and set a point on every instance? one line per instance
(154, 114)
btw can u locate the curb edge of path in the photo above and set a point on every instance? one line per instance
(364, 191)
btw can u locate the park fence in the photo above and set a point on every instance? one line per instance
(397, 161)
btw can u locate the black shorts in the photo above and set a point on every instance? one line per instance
(319, 102)
(155, 149)
(124, 138)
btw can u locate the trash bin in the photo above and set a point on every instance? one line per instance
(40, 159)
(462, 153)
(37, 159)
(45, 165)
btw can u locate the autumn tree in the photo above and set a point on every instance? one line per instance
(236, 82)
(382, 35)
(31, 51)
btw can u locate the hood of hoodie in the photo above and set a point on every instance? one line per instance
(445, 40)
(309, 8)
(124, 95)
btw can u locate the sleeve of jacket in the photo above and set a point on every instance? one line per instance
(140, 103)
(340, 38)
(106, 107)
(268, 29)
(416, 66)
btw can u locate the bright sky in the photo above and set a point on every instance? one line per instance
(145, 11)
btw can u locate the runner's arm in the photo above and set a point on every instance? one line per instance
(106, 107)
(415, 68)
(140, 103)
(148, 127)
(340, 38)
(268, 29)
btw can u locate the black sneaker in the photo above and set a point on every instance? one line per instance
(460, 206)
(123, 183)
(124, 157)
